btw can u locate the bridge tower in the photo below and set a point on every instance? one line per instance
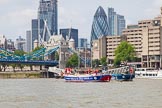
(64, 54)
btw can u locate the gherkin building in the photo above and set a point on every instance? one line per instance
(100, 25)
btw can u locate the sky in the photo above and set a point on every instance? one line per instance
(16, 15)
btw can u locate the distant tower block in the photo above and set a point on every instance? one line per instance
(161, 10)
(72, 44)
(36, 44)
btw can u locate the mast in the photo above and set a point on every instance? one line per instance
(85, 54)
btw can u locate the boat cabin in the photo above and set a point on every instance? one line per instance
(146, 72)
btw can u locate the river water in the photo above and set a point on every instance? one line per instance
(55, 93)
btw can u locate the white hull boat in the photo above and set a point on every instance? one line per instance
(148, 73)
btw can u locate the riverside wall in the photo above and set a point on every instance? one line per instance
(20, 75)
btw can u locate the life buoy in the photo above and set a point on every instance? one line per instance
(131, 70)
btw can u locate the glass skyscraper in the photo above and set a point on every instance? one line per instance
(28, 41)
(34, 31)
(116, 22)
(47, 12)
(82, 42)
(100, 25)
(70, 33)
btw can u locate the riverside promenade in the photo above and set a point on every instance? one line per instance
(20, 75)
(24, 73)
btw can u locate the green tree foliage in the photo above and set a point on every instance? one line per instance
(3, 67)
(103, 61)
(18, 53)
(125, 52)
(13, 66)
(37, 48)
(73, 61)
(36, 58)
(56, 56)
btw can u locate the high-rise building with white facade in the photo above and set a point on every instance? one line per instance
(3, 42)
(20, 44)
(10, 45)
(6, 44)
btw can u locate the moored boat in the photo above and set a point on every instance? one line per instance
(125, 73)
(149, 73)
(87, 77)
(123, 77)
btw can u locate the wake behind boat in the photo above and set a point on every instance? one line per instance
(87, 76)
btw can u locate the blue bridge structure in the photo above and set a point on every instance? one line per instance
(33, 58)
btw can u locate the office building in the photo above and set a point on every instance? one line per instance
(28, 41)
(47, 12)
(10, 45)
(34, 31)
(70, 33)
(6, 44)
(145, 37)
(116, 22)
(3, 42)
(134, 36)
(82, 43)
(100, 25)
(105, 47)
(20, 44)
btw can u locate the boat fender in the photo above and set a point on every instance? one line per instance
(131, 70)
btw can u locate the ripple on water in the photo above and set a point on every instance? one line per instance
(52, 93)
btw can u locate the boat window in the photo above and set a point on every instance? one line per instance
(143, 74)
(150, 74)
(137, 69)
(146, 74)
(140, 69)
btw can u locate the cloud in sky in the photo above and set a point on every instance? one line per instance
(17, 22)
(16, 15)
(154, 10)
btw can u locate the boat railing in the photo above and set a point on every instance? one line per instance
(146, 70)
(120, 70)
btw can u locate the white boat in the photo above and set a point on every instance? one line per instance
(148, 73)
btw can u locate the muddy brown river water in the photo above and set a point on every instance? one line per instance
(56, 93)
